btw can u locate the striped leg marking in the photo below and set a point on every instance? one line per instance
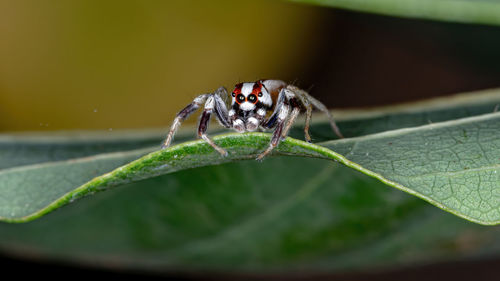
(205, 119)
(181, 116)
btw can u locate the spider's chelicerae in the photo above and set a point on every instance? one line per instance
(264, 104)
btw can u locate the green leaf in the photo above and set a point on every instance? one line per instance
(30, 191)
(21, 149)
(464, 11)
(252, 217)
(455, 165)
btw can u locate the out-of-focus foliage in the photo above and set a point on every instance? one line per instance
(465, 11)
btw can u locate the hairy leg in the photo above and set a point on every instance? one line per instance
(308, 106)
(220, 107)
(277, 134)
(319, 106)
(182, 115)
(294, 103)
(205, 119)
(308, 122)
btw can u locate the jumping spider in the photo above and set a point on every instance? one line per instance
(250, 104)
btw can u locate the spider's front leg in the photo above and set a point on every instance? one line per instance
(214, 101)
(182, 115)
(286, 102)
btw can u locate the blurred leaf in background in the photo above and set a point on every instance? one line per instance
(465, 11)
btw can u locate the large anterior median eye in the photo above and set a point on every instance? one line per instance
(240, 98)
(252, 98)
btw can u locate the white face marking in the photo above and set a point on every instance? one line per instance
(231, 112)
(247, 106)
(266, 99)
(247, 88)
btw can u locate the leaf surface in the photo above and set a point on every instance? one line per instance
(33, 190)
(455, 165)
(252, 217)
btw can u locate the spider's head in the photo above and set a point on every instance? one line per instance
(250, 96)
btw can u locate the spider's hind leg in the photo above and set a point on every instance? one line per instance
(305, 103)
(308, 122)
(308, 99)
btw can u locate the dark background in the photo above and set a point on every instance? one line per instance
(384, 60)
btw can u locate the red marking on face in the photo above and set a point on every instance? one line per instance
(252, 97)
(257, 87)
(237, 91)
(237, 88)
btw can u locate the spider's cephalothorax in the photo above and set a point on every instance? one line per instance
(250, 104)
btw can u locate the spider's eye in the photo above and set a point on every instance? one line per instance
(233, 94)
(240, 98)
(252, 98)
(260, 94)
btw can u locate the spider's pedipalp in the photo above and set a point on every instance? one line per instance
(239, 125)
(252, 124)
